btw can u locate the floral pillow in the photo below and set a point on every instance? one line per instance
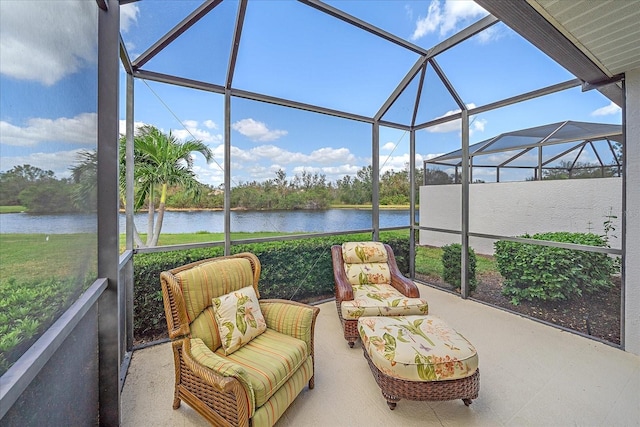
(239, 318)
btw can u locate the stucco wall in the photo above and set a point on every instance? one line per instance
(515, 208)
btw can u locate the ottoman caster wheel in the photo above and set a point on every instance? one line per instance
(392, 405)
(467, 402)
(351, 344)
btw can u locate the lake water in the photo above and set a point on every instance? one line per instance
(213, 221)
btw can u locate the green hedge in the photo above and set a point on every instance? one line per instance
(548, 273)
(300, 270)
(452, 269)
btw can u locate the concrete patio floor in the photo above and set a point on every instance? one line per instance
(531, 375)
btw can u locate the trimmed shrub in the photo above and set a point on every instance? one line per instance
(452, 266)
(551, 274)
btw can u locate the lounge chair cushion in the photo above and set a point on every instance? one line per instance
(417, 348)
(363, 252)
(238, 317)
(381, 300)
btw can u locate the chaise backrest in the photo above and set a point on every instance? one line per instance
(366, 263)
(188, 292)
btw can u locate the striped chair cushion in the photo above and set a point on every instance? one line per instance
(268, 414)
(212, 279)
(269, 360)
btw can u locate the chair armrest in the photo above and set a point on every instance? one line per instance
(398, 280)
(343, 289)
(216, 370)
(291, 318)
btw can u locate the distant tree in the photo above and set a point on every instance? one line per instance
(569, 170)
(437, 177)
(395, 188)
(51, 196)
(19, 178)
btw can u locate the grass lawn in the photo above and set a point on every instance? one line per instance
(12, 209)
(429, 262)
(41, 256)
(202, 237)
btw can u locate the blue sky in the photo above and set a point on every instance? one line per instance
(287, 50)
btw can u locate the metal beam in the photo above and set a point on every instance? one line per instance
(447, 84)
(363, 25)
(110, 308)
(401, 87)
(124, 58)
(559, 87)
(178, 81)
(416, 104)
(464, 219)
(175, 32)
(463, 35)
(237, 34)
(299, 105)
(375, 180)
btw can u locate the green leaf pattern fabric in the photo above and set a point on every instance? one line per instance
(363, 252)
(239, 318)
(381, 300)
(417, 348)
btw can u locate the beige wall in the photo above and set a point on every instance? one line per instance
(515, 208)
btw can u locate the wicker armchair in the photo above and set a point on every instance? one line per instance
(247, 385)
(369, 283)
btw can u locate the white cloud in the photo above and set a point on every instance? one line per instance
(330, 155)
(490, 34)
(609, 110)
(128, 16)
(193, 131)
(210, 124)
(47, 41)
(122, 126)
(389, 146)
(446, 17)
(81, 129)
(257, 131)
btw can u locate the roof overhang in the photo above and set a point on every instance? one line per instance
(570, 41)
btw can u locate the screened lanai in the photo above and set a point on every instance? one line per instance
(567, 147)
(278, 91)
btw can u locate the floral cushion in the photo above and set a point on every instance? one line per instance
(239, 318)
(363, 252)
(381, 300)
(417, 348)
(369, 273)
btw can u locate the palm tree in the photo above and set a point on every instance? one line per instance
(160, 161)
(84, 175)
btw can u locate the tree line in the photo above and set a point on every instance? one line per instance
(164, 178)
(39, 191)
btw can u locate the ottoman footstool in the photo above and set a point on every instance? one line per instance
(419, 357)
